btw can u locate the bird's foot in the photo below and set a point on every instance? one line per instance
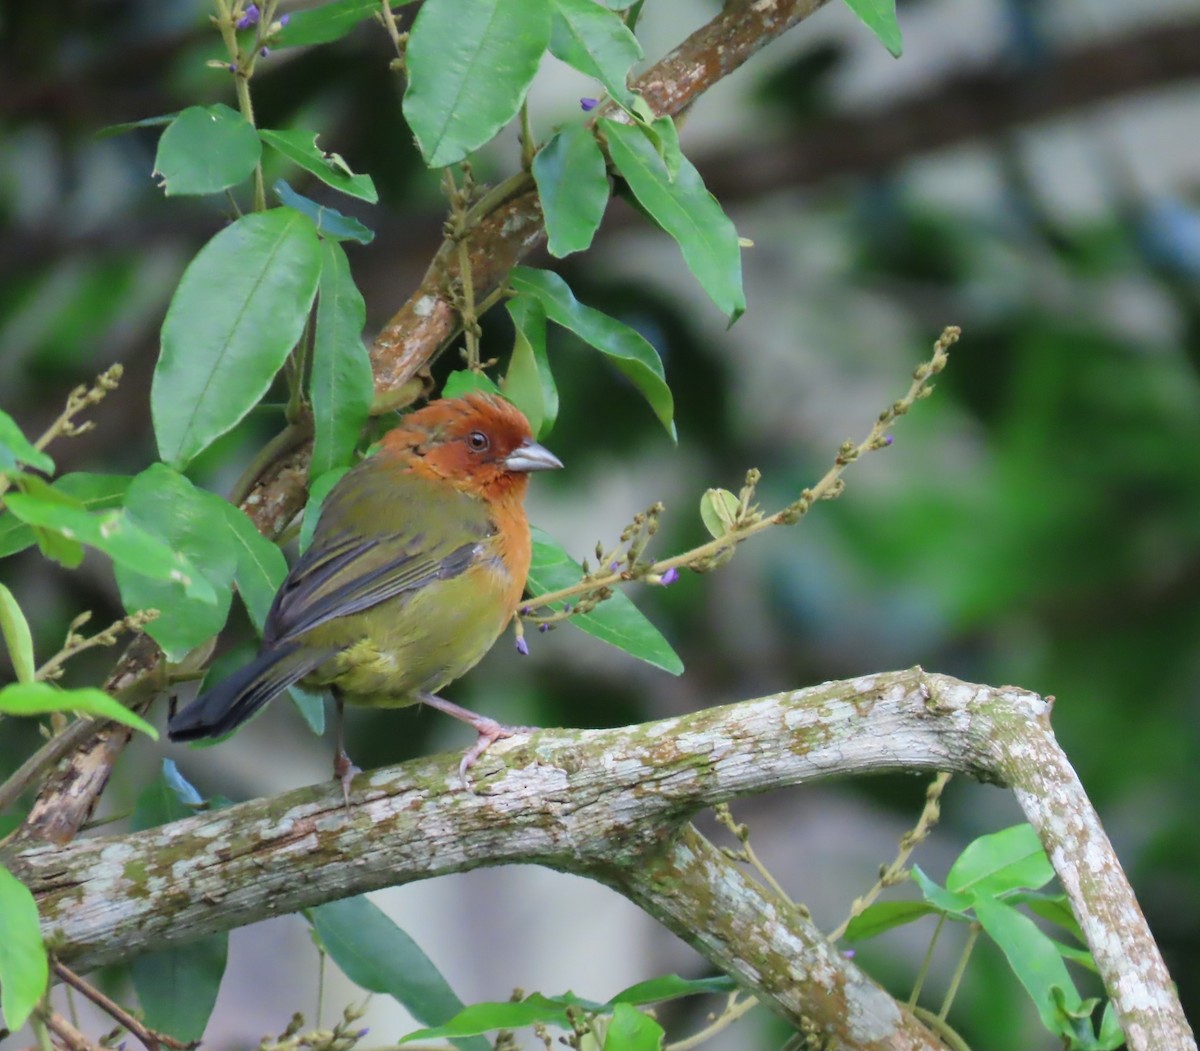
(489, 732)
(344, 771)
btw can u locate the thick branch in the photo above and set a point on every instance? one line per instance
(608, 803)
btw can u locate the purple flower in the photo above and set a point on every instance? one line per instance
(614, 566)
(849, 954)
(669, 577)
(543, 628)
(522, 646)
(587, 105)
(231, 67)
(250, 18)
(887, 440)
(284, 19)
(265, 52)
(361, 1033)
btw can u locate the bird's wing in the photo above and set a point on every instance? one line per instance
(347, 572)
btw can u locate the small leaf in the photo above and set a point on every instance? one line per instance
(937, 895)
(329, 222)
(177, 986)
(625, 347)
(327, 22)
(631, 1030)
(884, 916)
(469, 65)
(718, 511)
(1054, 908)
(508, 1014)
(671, 987)
(685, 209)
(93, 492)
(596, 42)
(378, 956)
(118, 536)
(240, 307)
(879, 16)
(24, 969)
(206, 149)
(110, 130)
(193, 522)
(38, 698)
(341, 385)
(1034, 960)
(16, 449)
(261, 566)
(17, 637)
(528, 384)
(464, 381)
(300, 147)
(572, 182)
(616, 621)
(1011, 859)
(1111, 1036)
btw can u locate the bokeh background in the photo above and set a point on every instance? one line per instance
(1028, 170)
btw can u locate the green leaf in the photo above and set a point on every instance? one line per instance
(110, 130)
(377, 955)
(485, 1017)
(1034, 960)
(718, 511)
(16, 449)
(685, 209)
(529, 384)
(118, 536)
(94, 492)
(1111, 1036)
(1011, 859)
(597, 42)
(38, 698)
(572, 182)
(342, 385)
(330, 223)
(260, 568)
(193, 522)
(1054, 908)
(616, 621)
(184, 790)
(24, 969)
(464, 381)
(17, 637)
(239, 309)
(177, 987)
(631, 1030)
(206, 149)
(670, 987)
(311, 707)
(879, 16)
(628, 350)
(883, 916)
(327, 22)
(300, 147)
(937, 895)
(317, 492)
(469, 64)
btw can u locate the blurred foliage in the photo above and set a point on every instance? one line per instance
(1037, 522)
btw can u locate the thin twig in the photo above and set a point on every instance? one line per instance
(150, 1038)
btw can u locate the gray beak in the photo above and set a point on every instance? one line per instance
(529, 456)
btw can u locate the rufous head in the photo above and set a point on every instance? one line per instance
(479, 443)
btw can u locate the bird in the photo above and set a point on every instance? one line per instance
(417, 565)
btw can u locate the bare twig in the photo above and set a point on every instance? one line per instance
(151, 1039)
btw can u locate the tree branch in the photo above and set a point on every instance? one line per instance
(610, 804)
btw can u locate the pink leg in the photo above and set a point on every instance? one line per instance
(489, 730)
(343, 769)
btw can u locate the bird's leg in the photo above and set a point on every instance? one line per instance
(489, 730)
(343, 769)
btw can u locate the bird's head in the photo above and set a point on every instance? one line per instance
(479, 443)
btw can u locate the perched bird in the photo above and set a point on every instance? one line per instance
(417, 564)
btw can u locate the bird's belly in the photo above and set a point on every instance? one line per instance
(416, 642)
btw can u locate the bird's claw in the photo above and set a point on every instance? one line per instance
(344, 771)
(490, 732)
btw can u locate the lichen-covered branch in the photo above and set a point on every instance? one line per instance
(612, 804)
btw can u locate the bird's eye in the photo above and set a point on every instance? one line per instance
(477, 441)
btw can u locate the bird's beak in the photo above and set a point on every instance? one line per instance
(529, 456)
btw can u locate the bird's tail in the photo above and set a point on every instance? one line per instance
(233, 700)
